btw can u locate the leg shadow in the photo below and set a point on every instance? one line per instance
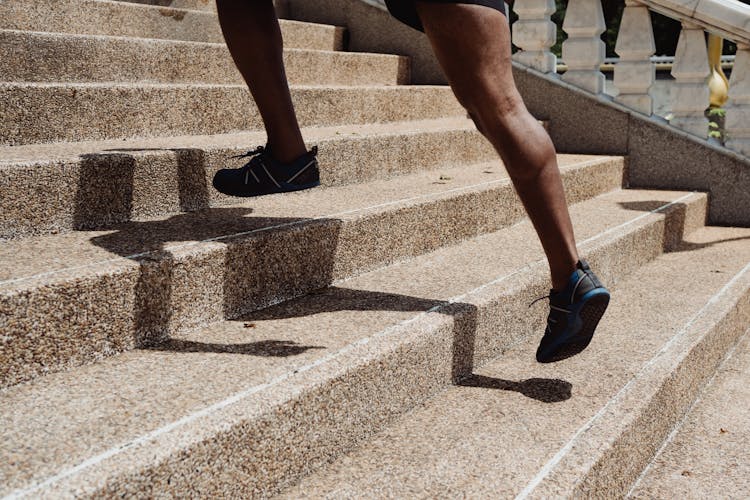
(266, 348)
(545, 390)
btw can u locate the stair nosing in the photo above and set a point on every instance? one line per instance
(647, 380)
(352, 213)
(589, 244)
(178, 42)
(159, 7)
(330, 133)
(716, 305)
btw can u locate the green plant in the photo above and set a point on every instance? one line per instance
(716, 125)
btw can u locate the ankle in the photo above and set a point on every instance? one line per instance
(286, 155)
(560, 277)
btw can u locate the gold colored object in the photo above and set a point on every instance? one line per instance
(717, 81)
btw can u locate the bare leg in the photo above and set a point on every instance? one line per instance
(472, 44)
(251, 30)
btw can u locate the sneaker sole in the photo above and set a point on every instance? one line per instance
(591, 313)
(286, 188)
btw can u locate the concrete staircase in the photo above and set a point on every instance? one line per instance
(370, 338)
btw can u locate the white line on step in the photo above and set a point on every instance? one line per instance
(139, 255)
(239, 396)
(617, 398)
(256, 231)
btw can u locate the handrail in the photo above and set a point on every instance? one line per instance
(717, 16)
(727, 18)
(583, 52)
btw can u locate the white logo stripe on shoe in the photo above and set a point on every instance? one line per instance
(572, 295)
(301, 170)
(269, 175)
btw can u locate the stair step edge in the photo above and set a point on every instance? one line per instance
(385, 364)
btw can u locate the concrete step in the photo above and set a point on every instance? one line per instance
(60, 187)
(103, 292)
(239, 408)
(706, 454)
(207, 5)
(49, 112)
(59, 57)
(102, 17)
(580, 428)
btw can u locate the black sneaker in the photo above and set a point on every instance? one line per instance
(262, 174)
(574, 314)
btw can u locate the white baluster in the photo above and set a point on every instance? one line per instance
(583, 51)
(634, 72)
(534, 32)
(738, 108)
(690, 70)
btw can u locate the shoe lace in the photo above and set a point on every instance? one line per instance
(537, 300)
(552, 317)
(253, 152)
(246, 169)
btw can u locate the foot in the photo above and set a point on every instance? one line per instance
(262, 174)
(574, 314)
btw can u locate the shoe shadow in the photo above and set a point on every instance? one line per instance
(266, 348)
(252, 267)
(545, 390)
(333, 299)
(262, 263)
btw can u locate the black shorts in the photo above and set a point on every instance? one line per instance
(406, 10)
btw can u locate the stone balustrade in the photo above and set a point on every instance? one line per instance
(634, 74)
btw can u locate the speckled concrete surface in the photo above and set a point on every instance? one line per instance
(225, 410)
(189, 269)
(700, 167)
(47, 112)
(100, 183)
(95, 17)
(109, 18)
(612, 452)
(395, 369)
(707, 456)
(492, 436)
(52, 57)
(208, 5)
(659, 156)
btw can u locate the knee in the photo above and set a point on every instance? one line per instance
(494, 114)
(518, 137)
(477, 124)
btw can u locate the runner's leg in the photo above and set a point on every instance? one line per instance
(251, 30)
(472, 44)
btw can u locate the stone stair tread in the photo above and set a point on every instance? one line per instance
(104, 17)
(199, 85)
(60, 420)
(205, 5)
(63, 57)
(59, 187)
(113, 300)
(166, 42)
(26, 154)
(43, 259)
(495, 434)
(91, 111)
(197, 5)
(707, 455)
